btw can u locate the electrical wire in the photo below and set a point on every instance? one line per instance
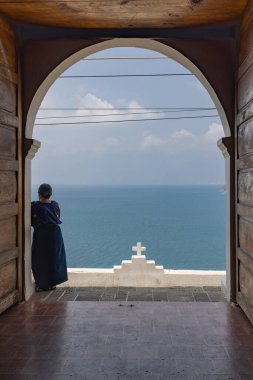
(109, 114)
(122, 58)
(126, 108)
(129, 120)
(124, 75)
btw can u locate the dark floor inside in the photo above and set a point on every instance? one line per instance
(130, 340)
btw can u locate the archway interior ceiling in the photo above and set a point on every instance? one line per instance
(123, 13)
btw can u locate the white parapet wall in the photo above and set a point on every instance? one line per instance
(141, 272)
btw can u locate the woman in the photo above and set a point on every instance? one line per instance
(48, 252)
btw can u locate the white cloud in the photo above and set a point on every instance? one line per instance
(134, 104)
(114, 114)
(87, 101)
(153, 142)
(93, 101)
(183, 135)
(175, 143)
(183, 140)
(214, 133)
(108, 145)
(101, 107)
(50, 100)
(144, 113)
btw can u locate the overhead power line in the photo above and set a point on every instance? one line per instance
(123, 58)
(129, 120)
(109, 114)
(124, 75)
(125, 108)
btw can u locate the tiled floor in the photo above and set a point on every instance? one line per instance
(103, 340)
(181, 294)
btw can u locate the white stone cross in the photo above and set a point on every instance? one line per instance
(139, 249)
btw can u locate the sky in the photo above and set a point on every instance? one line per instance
(164, 152)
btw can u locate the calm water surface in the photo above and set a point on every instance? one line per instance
(183, 227)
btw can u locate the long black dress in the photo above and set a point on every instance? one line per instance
(48, 253)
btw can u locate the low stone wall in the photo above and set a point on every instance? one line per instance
(140, 272)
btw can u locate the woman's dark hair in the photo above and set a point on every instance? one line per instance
(45, 190)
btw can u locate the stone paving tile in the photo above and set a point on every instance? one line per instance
(216, 297)
(162, 297)
(68, 296)
(201, 297)
(54, 295)
(123, 294)
(180, 298)
(88, 297)
(108, 297)
(224, 376)
(140, 295)
(98, 289)
(40, 295)
(110, 292)
(130, 288)
(211, 288)
(197, 289)
(179, 289)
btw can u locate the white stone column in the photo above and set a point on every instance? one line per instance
(32, 148)
(224, 149)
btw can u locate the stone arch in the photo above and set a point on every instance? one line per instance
(122, 42)
(144, 43)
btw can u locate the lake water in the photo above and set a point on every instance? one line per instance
(183, 227)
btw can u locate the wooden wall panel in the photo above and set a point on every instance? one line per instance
(8, 60)
(8, 188)
(245, 88)
(9, 165)
(8, 234)
(245, 162)
(246, 236)
(7, 256)
(7, 142)
(245, 187)
(7, 95)
(244, 137)
(7, 49)
(246, 281)
(8, 278)
(246, 33)
(8, 209)
(8, 300)
(245, 260)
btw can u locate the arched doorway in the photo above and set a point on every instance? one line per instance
(42, 90)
